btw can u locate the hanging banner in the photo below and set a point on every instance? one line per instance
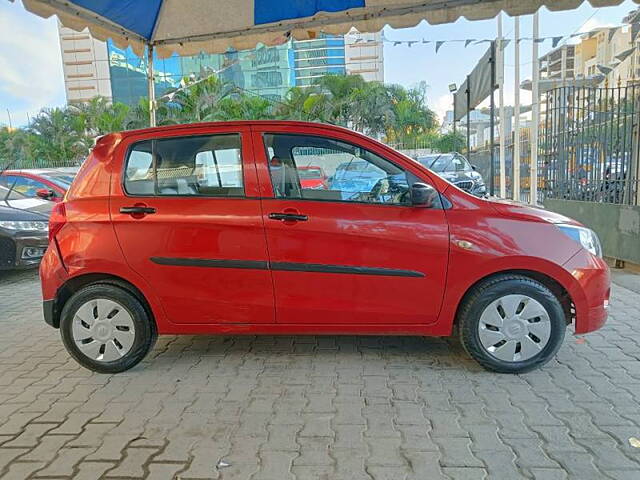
(479, 85)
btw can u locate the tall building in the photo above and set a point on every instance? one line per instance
(85, 65)
(93, 68)
(264, 71)
(606, 56)
(364, 55)
(316, 58)
(597, 51)
(559, 63)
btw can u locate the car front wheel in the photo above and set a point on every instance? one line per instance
(106, 329)
(511, 324)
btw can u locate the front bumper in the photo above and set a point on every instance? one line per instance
(21, 249)
(590, 292)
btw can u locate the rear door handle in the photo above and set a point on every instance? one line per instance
(137, 210)
(288, 217)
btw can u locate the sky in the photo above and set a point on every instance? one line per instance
(31, 67)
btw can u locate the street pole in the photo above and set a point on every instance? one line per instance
(151, 87)
(535, 112)
(500, 63)
(468, 92)
(454, 113)
(516, 113)
(492, 166)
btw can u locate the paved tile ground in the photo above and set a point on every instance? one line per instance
(280, 408)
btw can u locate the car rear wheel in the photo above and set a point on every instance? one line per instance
(106, 329)
(511, 324)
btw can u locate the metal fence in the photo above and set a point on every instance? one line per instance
(24, 164)
(588, 147)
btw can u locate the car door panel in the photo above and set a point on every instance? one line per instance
(205, 256)
(365, 264)
(352, 262)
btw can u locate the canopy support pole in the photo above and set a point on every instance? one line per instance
(503, 120)
(151, 87)
(516, 113)
(492, 166)
(468, 92)
(535, 113)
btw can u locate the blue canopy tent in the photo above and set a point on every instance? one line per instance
(192, 26)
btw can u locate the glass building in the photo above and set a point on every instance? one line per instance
(94, 68)
(266, 71)
(318, 57)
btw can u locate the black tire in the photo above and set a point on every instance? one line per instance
(492, 289)
(145, 333)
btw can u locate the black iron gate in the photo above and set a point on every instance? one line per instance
(588, 146)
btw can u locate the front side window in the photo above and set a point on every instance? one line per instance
(207, 165)
(320, 168)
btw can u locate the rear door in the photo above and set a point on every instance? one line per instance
(187, 217)
(353, 251)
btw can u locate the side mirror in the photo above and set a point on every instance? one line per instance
(422, 194)
(474, 168)
(45, 194)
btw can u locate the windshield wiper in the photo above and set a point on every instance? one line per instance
(434, 161)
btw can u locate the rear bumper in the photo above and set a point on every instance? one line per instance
(52, 277)
(591, 291)
(48, 308)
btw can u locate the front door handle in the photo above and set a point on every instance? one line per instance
(288, 217)
(137, 210)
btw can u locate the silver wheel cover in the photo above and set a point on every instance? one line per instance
(103, 330)
(514, 328)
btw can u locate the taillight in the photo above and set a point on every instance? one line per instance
(57, 220)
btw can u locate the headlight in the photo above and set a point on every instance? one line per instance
(584, 236)
(24, 226)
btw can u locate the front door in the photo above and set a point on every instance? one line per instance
(188, 219)
(349, 250)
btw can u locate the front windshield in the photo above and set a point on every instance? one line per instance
(445, 163)
(12, 196)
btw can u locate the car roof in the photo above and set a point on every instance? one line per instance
(36, 171)
(233, 123)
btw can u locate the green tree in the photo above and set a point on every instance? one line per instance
(305, 104)
(412, 117)
(198, 101)
(58, 137)
(371, 109)
(450, 142)
(98, 116)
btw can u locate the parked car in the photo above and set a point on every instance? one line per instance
(23, 230)
(46, 183)
(456, 169)
(312, 177)
(354, 178)
(158, 252)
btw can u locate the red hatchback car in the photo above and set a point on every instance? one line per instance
(194, 229)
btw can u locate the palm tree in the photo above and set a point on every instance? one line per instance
(100, 116)
(412, 117)
(306, 104)
(371, 109)
(199, 101)
(58, 137)
(340, 89)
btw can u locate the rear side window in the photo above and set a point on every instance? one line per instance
(207, 165)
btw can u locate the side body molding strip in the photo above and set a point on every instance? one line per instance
(285, 266)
